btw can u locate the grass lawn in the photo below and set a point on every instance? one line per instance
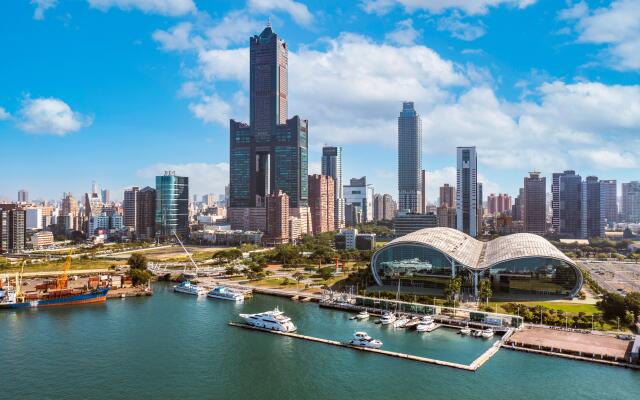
(573, 308)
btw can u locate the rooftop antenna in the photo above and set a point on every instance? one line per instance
(269, 22)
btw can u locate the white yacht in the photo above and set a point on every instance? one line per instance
(400, 322)
(363, 340)
(465, 331)
(387, 318)
(426, 324)
(487, 333)
(273, 320)
(187, 287)
(225, 293)
(362, 315)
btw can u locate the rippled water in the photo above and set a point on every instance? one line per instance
(173, 346)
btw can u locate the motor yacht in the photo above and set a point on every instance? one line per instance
(487, 333)
(400, 322)
(187, 287)
(426, 324)
(273, 320)
(465, 331)
(387, 318)
(361, 339)
(362, 315)
(225, 293)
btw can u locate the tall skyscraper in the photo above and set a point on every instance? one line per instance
(466, 190)
(569, 204)
(172, 205)
(535, 204)
(359, 194)
(146, 214)
(591, 219)
(106, 196)
(409, 159)
(270, 153)
(321, 203)
(631, 201)
(447, 196)
(609, 200)
(423, 191)
(13, 229)
(23, 196)
(130, 207)
(332, 166)
(277, 206)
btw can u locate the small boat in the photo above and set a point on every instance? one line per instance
(387, 318)
(361, 339)
(465, 331)
(400, 322)
(225, 293)
(187, 287)
(476, 333)
(426, 324)
(413, 322)
(487, 333)
(362, 315)
(273, 320)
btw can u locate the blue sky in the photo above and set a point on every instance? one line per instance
(118, 90)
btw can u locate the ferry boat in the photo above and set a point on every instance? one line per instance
(273, 320)
(225, 293)
(387, 318)
(426, 324)
(361, 339)
(187, 287)
(362, 315)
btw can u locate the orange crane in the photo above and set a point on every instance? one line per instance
(62, 281)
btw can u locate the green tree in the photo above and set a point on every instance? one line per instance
(139, 276)
(613, 306)
(325, 272)
(632, 304)
(298, 276)
(137, 261)
(485, 290)
(452, 290)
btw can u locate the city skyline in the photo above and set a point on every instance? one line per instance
(505, 90)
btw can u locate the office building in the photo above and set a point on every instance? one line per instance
(406, 223)
(332, 166)
(277, 213)
(609, 200)
(106, 196)
(321, 203)
(517, 210)
(172, 205)
(467, 191)
(130, 207)
(34, 218)
(447, 196)
(23, 196)
(360, 195)
(41, 240)
(592, 220)
(350, 239)
(209, 200)
(535, 204)
(270, 153)
(353, 214)
(409, 159)
(13, 229)
(569, 204)
(384, 207)
(423, 190)
(631, 201)
(145, 228)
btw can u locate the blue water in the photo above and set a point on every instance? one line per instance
(177, 346)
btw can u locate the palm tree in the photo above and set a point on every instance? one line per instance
(485, 290)
(298, 276)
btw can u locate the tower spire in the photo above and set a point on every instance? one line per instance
(269, 22)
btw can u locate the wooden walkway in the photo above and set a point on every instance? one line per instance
(471, 367)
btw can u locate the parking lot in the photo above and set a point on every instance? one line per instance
(614, 276)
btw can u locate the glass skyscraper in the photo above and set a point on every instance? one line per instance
(270, 153)
(467, 191)
(409, 159)
(172, 205)
(332, 166)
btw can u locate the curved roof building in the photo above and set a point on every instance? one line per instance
(521, 264)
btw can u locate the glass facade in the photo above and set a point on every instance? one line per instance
(535, 275)
(172, 205)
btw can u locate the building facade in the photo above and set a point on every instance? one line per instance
(23, 196)
(447, 196)
(359, 195)
(277, 208)
(409, 159)
(535, 204)
(172, 205)
(467, 191)
(146, 214)
(406, 223)
(631, 201)
(321, 203)
(130, 207)
(13, 230)
(609, 200)
(569, 204)
(332, 166)
(592, 221)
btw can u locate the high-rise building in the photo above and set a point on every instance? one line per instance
(498, 204)
(406, 223)
(423, 190)
(209, 200)
(270, 153)
(332, 166)
(321, 203)
(172, 205)
(13, 229)
(517, 210)
(467, 191)
(277, 206)
(569, 204)
(384, 207)
(446, 216)
(631, 201)
(360, 195)
(130, 207)
(34, 217)
(146, 214)
(447, 196)
(409, 159)
(592, 220)
(106, 196)
(535, 203)
(23, 196)
(609, 200)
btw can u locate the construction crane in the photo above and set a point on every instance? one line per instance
(63, 280)
(19, 292)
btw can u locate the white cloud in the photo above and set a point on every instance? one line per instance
(177, 38)
(50, 116)
(470, 7)
(404, 34)
(212, 109)
(460, 29)
(4, 115)
(616, 26)
(171, 8)
(298, 11)
(41, 7)
(235, 27)
(203, 177)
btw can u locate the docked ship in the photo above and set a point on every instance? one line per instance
(225, 293)
(187, 287)
(57, 293)
(273, 320)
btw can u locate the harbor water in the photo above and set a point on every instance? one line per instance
(172, 346)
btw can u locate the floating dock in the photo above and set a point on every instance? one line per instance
(471, 367)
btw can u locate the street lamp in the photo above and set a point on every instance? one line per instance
(618, 318)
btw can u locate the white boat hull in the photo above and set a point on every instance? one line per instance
(234, 298)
